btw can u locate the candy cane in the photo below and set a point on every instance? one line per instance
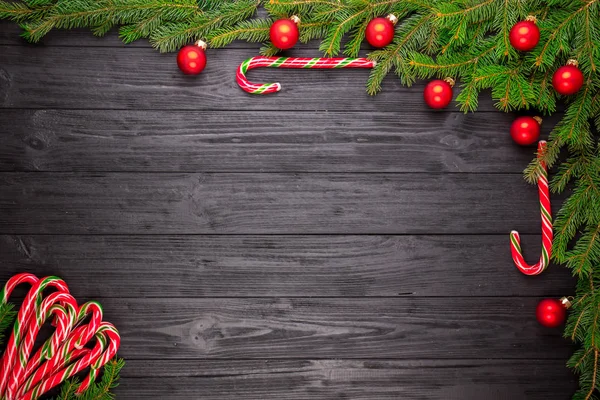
(50, 348)
(114, 341)
(35, 324)
(32, 302)
(13, 283)
(67, 354)
(95, 309)
(292, 62)
(546, 213)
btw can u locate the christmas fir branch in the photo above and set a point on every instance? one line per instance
(99, 390)
(7, 319)
(466, 40)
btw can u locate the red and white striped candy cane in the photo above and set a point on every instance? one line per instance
(59, 361)
(63, 306)
(292, 62)
(94, 309)
(28, 310)
(14, 282)
(546, 213)
(47, 351)
(114, 341)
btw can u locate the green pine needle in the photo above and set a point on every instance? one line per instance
(7, 319)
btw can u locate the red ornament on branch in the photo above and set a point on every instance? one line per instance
(380, 31)
(552, 313)
(525, 35)
(191, 59)
(438, 93)
(568, 79)
(284, 33)
(526, 130)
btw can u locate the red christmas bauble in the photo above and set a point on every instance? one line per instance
(524, 35)
(525, 130)
(191, 59)
(380, 31)
(568, 79)
(438, 93)
(284, 33)
(551, 313)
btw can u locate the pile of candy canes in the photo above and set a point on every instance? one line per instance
(81, 340)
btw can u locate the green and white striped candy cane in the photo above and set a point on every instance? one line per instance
(292, 62)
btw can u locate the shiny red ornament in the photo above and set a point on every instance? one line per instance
(284, 33)
(526, 130)
(552, 313)
(438, 93)
(568, 79)
(191, 59)
(525, 35)
(380, 31)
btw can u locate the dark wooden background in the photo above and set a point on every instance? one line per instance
(314, 244)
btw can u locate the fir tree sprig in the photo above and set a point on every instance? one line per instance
(98, 391)
(7, 319)
(463, 39)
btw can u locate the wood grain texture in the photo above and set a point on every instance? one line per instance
(141, 78)
(129, 203)
(265, 266)
(234, 141)
(315, 244)
(343, 379)
(385, 328)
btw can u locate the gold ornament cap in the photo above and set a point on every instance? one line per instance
(449, 81)
(538, 119)
(566, 302)
(201, 43)
(572, 62)
(531, 18)
(295, 19)
(392, 18)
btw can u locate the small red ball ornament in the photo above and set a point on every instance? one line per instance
(438, 93)
(191, 59)
(568, 79)
(380, 31)
(284, 32)
(525, 35)
(526, 130)
(552, 313)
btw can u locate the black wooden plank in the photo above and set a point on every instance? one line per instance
(140, 78)
(267, 203)
(65, 140)
(343, 379)
(280, 265)
(257, 266)
(389, 328)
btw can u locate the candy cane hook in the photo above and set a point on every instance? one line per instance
(292, 62)
(546, 213)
